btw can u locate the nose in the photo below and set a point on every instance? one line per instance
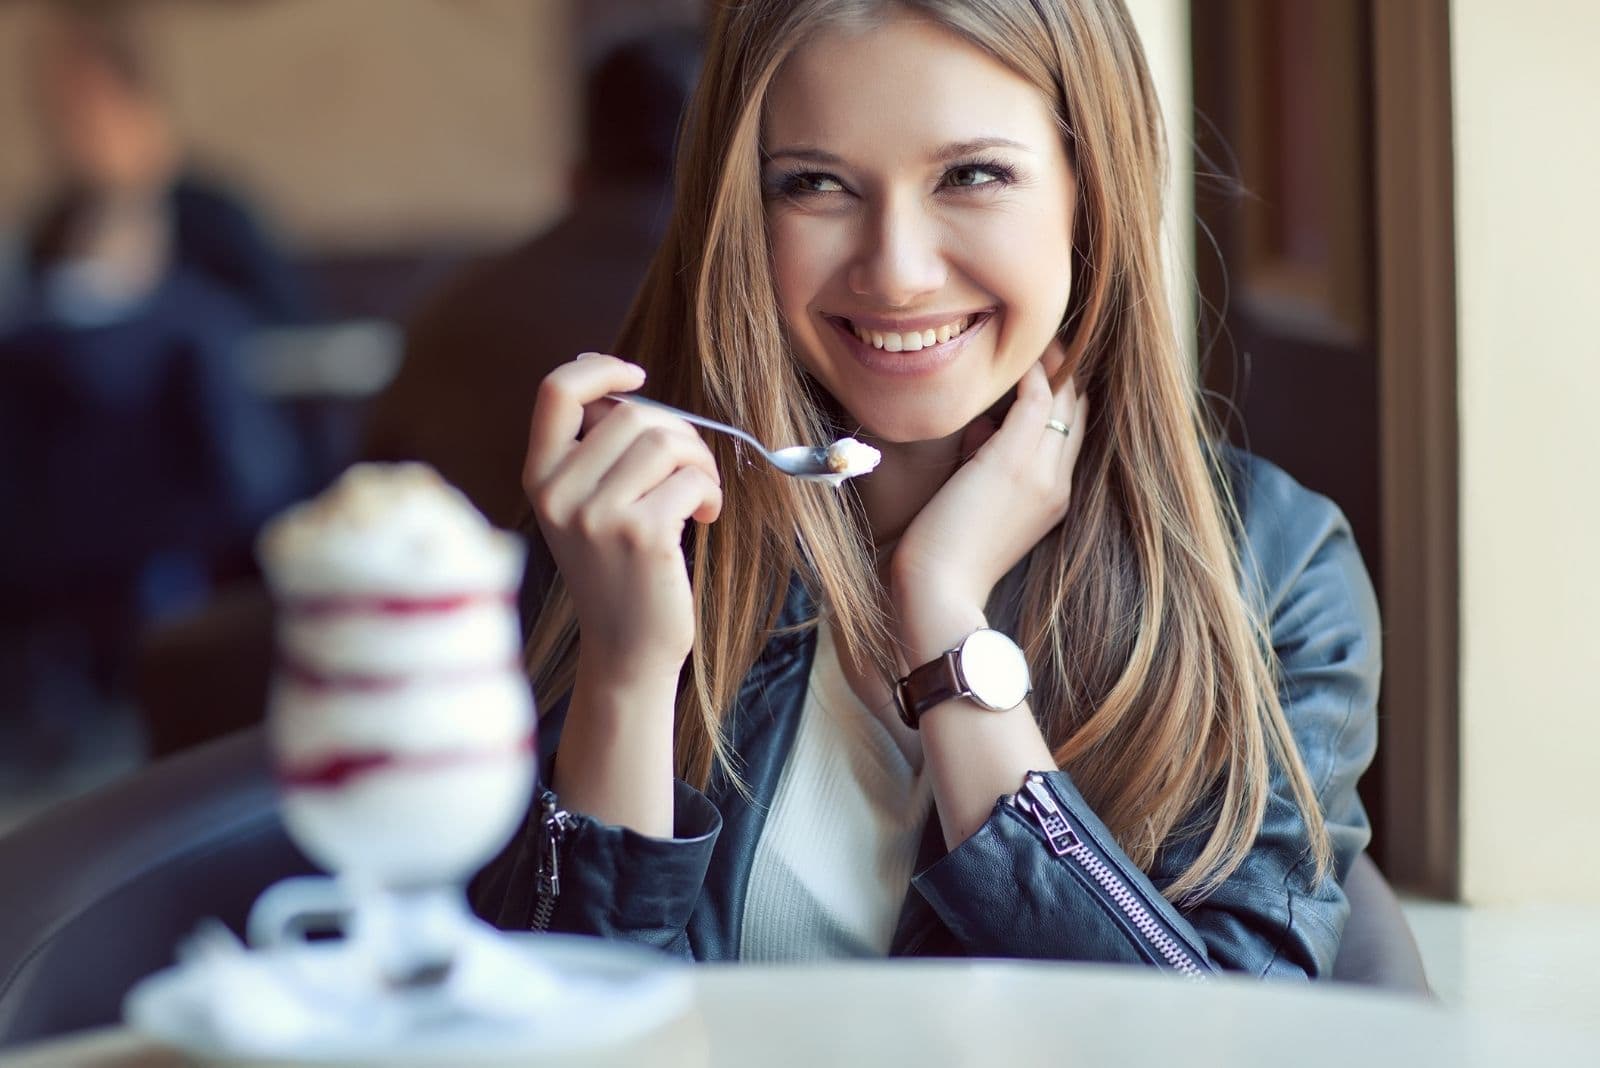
(902, 257)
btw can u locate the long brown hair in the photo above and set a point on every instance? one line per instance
(1155, 684)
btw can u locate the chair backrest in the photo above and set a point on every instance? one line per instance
(1378, 948)
(97, 893)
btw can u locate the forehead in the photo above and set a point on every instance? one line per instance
(902, 84)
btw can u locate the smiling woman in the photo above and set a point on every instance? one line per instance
(934, 225)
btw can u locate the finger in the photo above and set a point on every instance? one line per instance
(1064, 410)
(653, 457)
(558, 410)
(688, 493)
(580, 473)
(1080, 426)
(595, 411)
(1055, 362)
(1063, 380)
(1018, 439)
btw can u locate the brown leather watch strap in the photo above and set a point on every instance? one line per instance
(931, 684)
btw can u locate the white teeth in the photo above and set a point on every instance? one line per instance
(909, 341)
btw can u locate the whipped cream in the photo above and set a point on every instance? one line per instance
(849, 458)
(398, 529)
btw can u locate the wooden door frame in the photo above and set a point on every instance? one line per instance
(1419, 452)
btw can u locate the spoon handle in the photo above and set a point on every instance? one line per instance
(690, 417)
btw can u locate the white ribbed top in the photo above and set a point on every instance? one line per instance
(834, 859)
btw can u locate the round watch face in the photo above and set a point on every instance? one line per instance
(994, 670)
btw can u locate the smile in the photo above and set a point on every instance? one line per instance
(912, 340)
(919, 347)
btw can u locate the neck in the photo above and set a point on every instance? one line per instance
(908, 476)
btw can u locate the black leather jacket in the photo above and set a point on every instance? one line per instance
(1040, 879)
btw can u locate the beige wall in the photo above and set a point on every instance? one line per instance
(1527, 93)
(1164, 29)
(360, 123)
(20, 165)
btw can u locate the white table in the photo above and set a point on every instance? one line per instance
(1009, 1014)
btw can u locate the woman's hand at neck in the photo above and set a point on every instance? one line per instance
(960, 523)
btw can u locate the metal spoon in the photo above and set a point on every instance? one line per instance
(809, 462)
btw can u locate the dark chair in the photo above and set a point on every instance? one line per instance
(1378, 948)
(97, 893)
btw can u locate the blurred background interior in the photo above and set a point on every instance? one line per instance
(246, 242)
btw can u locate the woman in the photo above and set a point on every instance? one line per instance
(891, 218)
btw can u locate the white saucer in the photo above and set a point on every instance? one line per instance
(604, 993)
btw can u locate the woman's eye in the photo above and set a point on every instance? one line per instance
(973, 174)
(814, 183)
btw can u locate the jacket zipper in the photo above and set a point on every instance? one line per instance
(1037, 801)
(555, 821)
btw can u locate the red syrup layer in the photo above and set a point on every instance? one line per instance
(310, 678)
(337, 770)
(381, 605)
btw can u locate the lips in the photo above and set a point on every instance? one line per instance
(869, 343)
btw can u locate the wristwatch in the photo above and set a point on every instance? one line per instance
(987, 668)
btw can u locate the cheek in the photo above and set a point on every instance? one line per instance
(1028, 268)
(801, 265)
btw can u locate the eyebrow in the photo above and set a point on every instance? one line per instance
(945, 153)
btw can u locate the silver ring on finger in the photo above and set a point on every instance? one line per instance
(1065, 429)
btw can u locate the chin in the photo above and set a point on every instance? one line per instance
(887, 425)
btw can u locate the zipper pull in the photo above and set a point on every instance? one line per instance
(555, 821)
(1040, 803)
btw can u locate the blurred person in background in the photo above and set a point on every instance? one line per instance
(474, 354)
(477, 351)
(135, 461)
(129, 211)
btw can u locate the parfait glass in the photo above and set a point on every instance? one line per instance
(401, 725)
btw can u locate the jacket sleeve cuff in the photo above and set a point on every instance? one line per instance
(618, 883)
(1004, 892)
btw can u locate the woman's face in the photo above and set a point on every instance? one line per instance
(919, 201)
